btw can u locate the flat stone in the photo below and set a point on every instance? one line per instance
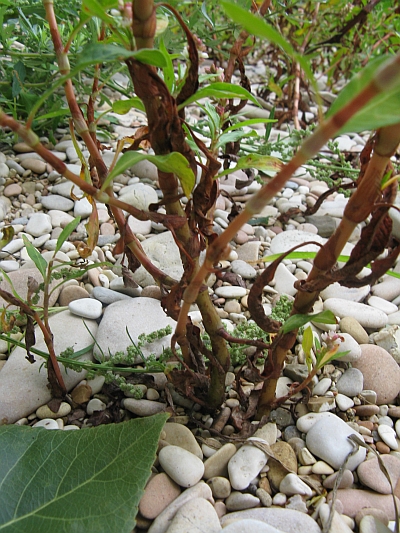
(382, 304)
(353, 294)
(249, 525)
(144, 407)
(164, 253)
(139, 315)
(45, 412)
(327, 439)
(237, 501)
(160, 491)
(285, 520)
(185, 468)
(139, 226)
(353, 500)
(108, 296)
(388, 435)
(19, 280)
(196, 516)
(346, 481)
(366, 315)
(19, 375)
(139, 195)
(381, 372)
(70, 293)
(217, 464)
(287, 239)
(180, 435)
(36, 165)
(86, 308)
(243, 269)
(14, 189)
(249, 251)
(306, 422)
(164, 519)
(231, 291)
(38, 224)
(370, 474)
(351, 382)
(55, 201)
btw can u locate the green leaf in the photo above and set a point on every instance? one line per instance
(98, 8)
(324, 317)
(265, 163)
(95, 53)
(249, 122)
(233, 136)
(86, 481)
(37, 258)
(7, 236)
(123, 106)
(221, 91)
(257, 26)
(383, 110)
(307, 344)
(168, 70)
(297, 321)
(66, 232)
(173, 162)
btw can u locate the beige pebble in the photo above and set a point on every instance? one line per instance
(160, 491)
(45, 412)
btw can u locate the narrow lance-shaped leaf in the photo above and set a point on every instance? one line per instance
(307, 345)
(173, 162)
(66, 232)
(220, 91)
(383, 110)
(256, 26)
(37, 258)
(101, 53)
(297, 321)
(265, 163)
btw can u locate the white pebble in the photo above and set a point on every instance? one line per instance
(47, 423)
(388, 435)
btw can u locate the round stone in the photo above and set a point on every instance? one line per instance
(220, 486)
(232, 291)
(45, 412)
(381, 372)
(47, 423)
(38, 225)
(86, 308)
(180, 435)
(160, 491)
(185, 468)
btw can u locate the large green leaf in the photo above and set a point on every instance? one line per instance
(220, 90)
(383, 110)
(95, 53)
(257, 26)
(87, 481)
(173, 162)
